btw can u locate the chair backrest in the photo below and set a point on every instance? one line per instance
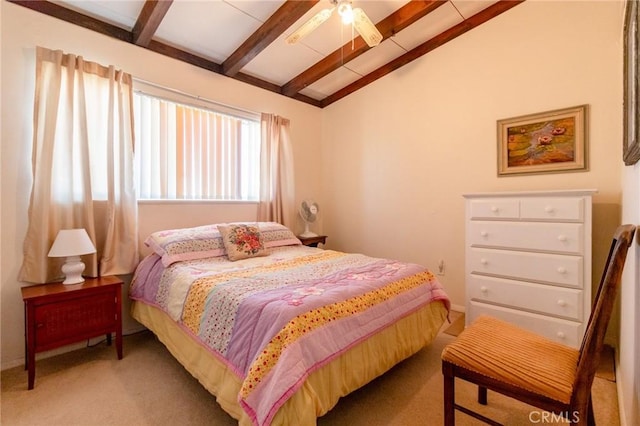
(593, 340)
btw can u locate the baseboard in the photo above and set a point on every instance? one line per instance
(457, 308)
(72, 347)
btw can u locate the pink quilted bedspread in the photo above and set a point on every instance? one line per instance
(273, 320)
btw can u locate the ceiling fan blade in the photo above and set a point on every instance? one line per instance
(366, 28)
(313, 23)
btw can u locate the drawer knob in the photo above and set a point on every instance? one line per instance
(562, 238)
(562, 303)
(562, 270)
(560, 335)
(483, 233)
(484, 289)
(495, 209)
(549, 209)
(484, 261)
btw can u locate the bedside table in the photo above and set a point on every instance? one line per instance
(56, 315)
(313, 241)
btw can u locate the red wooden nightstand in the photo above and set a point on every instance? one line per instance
(57, 315)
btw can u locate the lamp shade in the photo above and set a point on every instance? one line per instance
(71, 242)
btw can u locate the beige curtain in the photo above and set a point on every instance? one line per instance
(276, 172)
(82, 156)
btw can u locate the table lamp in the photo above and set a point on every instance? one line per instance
(72, 243)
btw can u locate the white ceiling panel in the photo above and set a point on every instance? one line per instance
(373, 59)
(332, 82)
(123, 14)
(280, 62)
(441, 19)
(259, 9)
(468, 8)
(215, 28)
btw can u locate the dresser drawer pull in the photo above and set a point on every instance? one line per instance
(484, 233)
(484, 289)
(562, 238)
(484, 261)
(560, 335)
(549, 209)
(562, 270)
(562, 303)
(494, 209)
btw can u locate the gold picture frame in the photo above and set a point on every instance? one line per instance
(631, 139)
(546, 142)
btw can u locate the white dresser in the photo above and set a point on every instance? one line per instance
(528, 260)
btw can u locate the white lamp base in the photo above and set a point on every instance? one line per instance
(72, 269)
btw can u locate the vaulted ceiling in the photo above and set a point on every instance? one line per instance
(246, 39)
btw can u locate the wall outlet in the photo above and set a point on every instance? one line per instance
(441, 267)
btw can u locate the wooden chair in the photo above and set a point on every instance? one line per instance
(533, 369)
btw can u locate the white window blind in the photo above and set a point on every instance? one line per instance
(186, 152)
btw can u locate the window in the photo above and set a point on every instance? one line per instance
(186, 152)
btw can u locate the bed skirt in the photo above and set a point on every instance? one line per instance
(323, 388)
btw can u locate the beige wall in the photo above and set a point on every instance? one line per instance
(22, 31)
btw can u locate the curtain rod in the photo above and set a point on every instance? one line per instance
(189, 95)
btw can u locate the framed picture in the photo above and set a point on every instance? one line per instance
(631, 143)
(546, 142)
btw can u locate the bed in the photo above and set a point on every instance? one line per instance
(275, 330)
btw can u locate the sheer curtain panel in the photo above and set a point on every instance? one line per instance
(276, 171)
(82, 158)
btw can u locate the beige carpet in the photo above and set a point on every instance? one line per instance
(148, 387)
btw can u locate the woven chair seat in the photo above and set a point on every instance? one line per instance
(504, 352)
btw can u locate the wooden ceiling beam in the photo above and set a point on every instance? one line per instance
(278, 23)
(391, 25)
(426, 47)
(73, 17)
(151, 16)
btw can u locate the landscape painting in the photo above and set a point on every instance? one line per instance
(551, 141)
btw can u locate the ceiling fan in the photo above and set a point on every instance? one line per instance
(349, 15)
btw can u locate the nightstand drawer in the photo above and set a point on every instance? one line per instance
(541, 298)
(540, 267)
(80, 318)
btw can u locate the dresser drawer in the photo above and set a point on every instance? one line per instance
(494, 208)
(560, 209)
(560, 330)
(531, 266)
(544, 299)
(540, 236)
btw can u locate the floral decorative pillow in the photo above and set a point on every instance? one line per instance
(242, 241)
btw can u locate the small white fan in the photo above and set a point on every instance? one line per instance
(309, 213)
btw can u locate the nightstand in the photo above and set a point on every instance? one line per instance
(56, 315)
(313, 241)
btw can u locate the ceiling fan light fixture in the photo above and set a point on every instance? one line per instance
(345, 11)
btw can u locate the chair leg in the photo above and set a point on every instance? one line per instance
(591, 420)
(449, 395)
(482, 395)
